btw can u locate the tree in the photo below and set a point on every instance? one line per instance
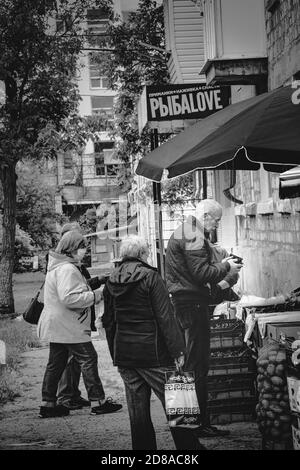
(138, 58)
(38, 64)
(35, 210)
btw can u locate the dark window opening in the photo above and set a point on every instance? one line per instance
(99, 165)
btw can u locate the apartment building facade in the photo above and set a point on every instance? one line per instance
(86, 178)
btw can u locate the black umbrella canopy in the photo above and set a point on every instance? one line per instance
(263, 129)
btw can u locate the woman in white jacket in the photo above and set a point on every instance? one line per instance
(65, 324)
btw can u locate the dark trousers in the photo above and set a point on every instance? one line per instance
(138, 386)
(68, 386)
(194, 321)
(86, 356)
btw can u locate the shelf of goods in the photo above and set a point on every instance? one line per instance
(293, 382)
(231, 378)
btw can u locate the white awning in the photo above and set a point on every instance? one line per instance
(290, 177)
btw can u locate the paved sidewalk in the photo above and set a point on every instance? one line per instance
(20, 427)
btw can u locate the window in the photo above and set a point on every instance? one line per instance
(68, 160)
(102, 105)
(96, 79)
(99, 165)
(97, 23)
(104, 165)
(64, 23)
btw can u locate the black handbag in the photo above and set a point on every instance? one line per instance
(34, 309)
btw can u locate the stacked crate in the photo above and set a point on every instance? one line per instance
(293, 381)
(231, 378)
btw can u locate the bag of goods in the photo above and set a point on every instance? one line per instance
(180, 397)
(273, 409)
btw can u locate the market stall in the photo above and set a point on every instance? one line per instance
(273, 335)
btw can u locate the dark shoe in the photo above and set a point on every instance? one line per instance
(109, 406)
(76, 404)
(81, 402)
(211, 431)
(53, 412)
(71, 405)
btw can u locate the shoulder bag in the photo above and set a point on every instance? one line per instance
(34, 309)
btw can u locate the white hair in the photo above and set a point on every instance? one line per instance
(133, 246)
(208, 206)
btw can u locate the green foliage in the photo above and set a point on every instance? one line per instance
(35, 212)
(174, 192)
(138, 59)
(88, 221)
(18, 337)
(23, 247)
(178, 190)
(39, 65)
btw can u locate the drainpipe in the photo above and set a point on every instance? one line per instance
(227, 192)
(157, 214)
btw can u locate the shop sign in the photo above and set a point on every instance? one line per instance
(180, 102)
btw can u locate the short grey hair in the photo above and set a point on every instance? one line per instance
(208, 206)
(133, 246)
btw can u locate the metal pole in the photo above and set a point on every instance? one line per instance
(204, 184)
(157, 215)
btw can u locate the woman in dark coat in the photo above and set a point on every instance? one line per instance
(143, 337)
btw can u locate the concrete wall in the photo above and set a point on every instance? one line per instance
(234, 29)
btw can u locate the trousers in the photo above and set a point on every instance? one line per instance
(139, 383)
(86, 356)
(68, 386)
(194, 321)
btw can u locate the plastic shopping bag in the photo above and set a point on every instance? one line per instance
(180, 397)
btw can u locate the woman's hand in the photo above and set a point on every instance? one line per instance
(98, 295)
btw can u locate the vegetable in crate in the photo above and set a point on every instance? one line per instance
(272, 409)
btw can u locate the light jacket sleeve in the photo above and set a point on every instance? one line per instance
(165, 316)
(72, 289)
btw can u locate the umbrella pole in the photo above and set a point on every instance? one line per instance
(157, 215)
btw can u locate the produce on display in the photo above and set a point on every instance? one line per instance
(273, 409)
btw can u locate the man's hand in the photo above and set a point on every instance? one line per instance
(179, 362)
(234, 266)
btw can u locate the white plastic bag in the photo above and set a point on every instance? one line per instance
(180, 397)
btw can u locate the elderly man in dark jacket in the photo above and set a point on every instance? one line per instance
(192, 276)
(143, 336)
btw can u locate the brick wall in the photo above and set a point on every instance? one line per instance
(283, 41)
(268, 232)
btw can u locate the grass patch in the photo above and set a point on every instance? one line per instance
(19, 337)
